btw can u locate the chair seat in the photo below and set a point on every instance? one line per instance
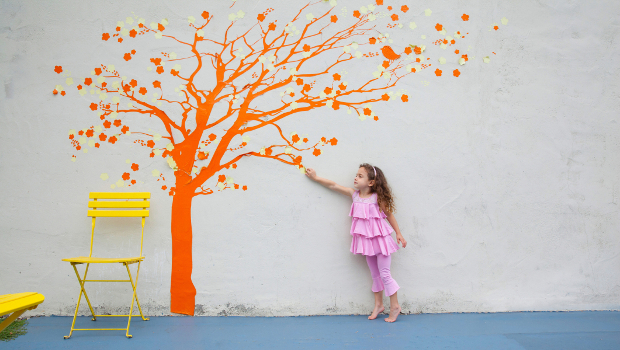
(13, 302)
(93, 260)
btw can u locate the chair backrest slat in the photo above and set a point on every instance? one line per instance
(118, 213)
(119, 195)
(119, 204)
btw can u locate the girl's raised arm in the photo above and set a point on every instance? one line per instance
(329, 183)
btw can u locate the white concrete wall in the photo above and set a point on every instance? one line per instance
(507, 179)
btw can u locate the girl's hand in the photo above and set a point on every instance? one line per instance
(401, 239)
(311, 173)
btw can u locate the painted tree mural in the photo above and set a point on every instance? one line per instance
(247, 80)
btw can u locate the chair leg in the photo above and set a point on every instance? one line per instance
(83, 284)
(82, 290)
(135, 287)
(132, 299)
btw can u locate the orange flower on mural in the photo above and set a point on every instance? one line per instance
(206, 130)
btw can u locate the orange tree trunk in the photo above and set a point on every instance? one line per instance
(182, 290)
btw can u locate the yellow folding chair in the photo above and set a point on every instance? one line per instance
(112, 204)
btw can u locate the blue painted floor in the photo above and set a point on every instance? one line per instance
(513, 330)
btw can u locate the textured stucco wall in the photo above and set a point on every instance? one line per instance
(507, 180)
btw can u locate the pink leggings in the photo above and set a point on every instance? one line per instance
(380, 272)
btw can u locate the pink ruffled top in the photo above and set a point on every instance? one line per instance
(371, 232)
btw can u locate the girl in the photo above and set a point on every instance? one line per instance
(371, 233)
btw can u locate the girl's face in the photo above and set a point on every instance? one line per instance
(361, 179)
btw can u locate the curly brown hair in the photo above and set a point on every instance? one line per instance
(381, 187)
